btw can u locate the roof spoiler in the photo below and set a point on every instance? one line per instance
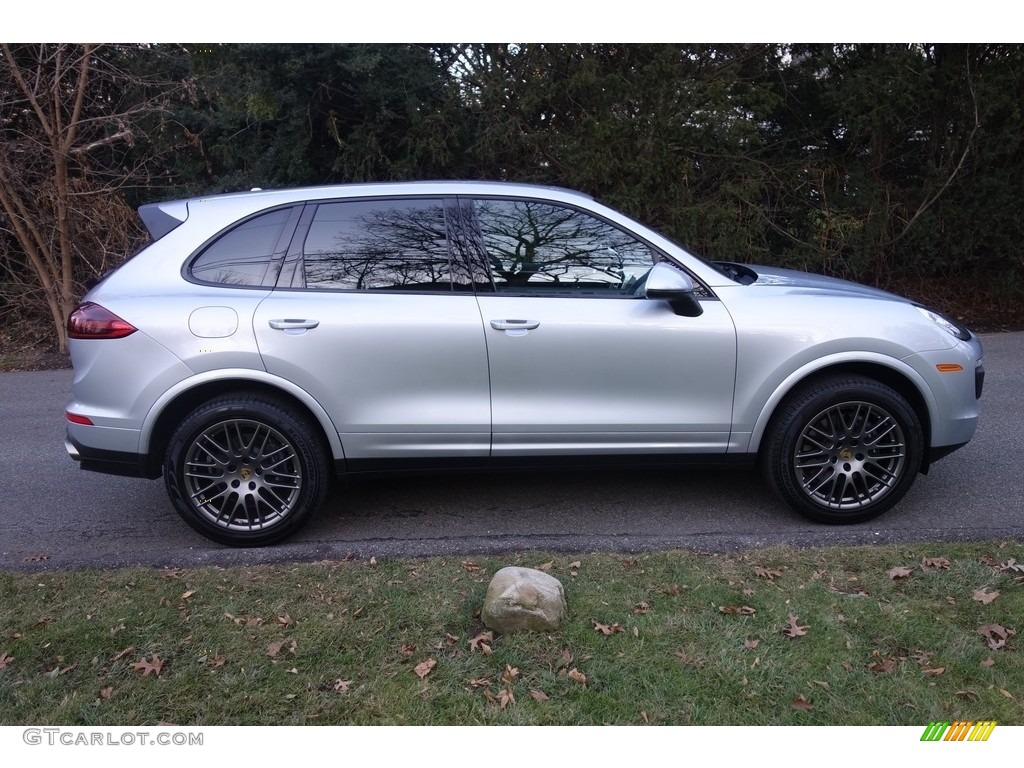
(161, 218)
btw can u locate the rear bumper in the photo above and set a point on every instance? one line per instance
(109, 462)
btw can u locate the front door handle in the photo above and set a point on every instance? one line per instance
(514, 325)
(290, 324)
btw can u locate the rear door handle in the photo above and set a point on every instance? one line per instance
(515, 325)
(290, 324)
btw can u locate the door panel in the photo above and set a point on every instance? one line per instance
(400, 375)
(599, 376)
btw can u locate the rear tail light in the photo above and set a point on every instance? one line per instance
(91, 321)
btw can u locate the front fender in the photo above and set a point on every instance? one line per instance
(790, 382)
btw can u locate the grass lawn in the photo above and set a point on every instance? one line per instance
(893, 635)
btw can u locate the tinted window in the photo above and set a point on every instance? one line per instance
(243, 256)
(543, 248)
(378, 245)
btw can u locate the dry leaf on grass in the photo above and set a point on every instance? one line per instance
(801, 703)
(424, 668)
(938, 563)
(741, 610)
(510, 674)
(984, 596)
(154, 665)
(106, 693)
(793, 628)
(996, 635)
(121, 654)
(608, 629)
(482, 642)
(539, 695)
(579, 677)
(341, 686)
(275, 648)
(286, 621)
(5, 660)
(899, 572)
(767, 573)
(988, 662)
(884, 666)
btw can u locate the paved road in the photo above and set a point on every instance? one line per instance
(50, 507)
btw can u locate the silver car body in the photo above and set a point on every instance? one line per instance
(424, 379)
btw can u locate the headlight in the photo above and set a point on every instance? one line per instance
(949, 325)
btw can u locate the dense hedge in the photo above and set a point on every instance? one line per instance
(867, 161)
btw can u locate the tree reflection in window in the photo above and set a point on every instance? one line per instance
(560, 250)
(378, 245)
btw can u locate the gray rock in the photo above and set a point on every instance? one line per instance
(524, 599)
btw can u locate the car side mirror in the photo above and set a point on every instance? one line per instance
(667, 283)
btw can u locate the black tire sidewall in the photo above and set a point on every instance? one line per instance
(295, 429)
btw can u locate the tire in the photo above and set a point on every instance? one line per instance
(843, 449)
(246, 470)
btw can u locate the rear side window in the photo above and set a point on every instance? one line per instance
(377, 245)
(244, 255)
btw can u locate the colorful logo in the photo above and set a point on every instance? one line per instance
(958, 731)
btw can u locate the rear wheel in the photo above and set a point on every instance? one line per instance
(843, 449)
(246, 470)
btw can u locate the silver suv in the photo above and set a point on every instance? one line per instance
(267, 341)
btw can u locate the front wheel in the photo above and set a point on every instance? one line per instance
(245, 470)
(843, 450)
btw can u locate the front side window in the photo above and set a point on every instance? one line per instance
(546, 249)
(378, 245)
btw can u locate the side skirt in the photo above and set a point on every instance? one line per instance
(428, 466)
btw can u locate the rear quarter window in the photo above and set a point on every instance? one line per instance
(247, 255)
